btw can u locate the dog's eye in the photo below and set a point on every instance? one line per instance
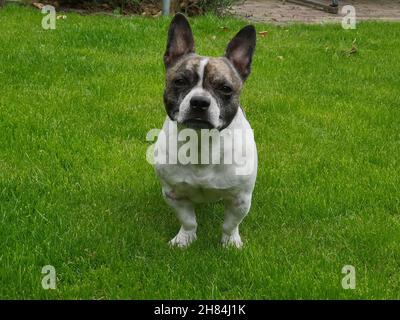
(225, 89)
(180, 82)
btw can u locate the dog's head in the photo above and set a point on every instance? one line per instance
(203, 92)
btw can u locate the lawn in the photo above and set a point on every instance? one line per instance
(77, 193)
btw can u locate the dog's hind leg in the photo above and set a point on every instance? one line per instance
(235, 211)
(185, 212)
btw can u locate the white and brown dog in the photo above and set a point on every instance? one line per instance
(202, 94)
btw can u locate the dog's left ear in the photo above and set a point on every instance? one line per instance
(241, 49)
(180, 40)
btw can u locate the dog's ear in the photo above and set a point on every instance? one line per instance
(241, 49)
(180, 40)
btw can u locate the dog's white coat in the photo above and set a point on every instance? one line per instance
(183, 185)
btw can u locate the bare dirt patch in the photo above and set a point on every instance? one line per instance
(282, 12)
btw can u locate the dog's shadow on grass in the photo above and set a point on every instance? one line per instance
(146, 217)
(161, 221)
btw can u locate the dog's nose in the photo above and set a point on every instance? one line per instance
(200, 103)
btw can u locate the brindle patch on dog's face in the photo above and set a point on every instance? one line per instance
(225, 85)
(175, 90)
(203, 92)
(214, 78)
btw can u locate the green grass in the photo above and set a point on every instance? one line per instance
(76, 192)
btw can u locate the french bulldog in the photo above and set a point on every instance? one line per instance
(202, 97)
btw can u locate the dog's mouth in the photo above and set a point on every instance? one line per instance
(198, 123)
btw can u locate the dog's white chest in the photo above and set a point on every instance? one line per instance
(200, 184)
(210, 182)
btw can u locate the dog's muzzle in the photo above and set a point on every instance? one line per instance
(198, 115)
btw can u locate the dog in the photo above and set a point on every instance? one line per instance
(202, 94)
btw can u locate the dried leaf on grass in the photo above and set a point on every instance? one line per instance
(352, 50)
(38, 5)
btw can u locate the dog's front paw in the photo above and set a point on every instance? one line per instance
(232, 240)
(183, 239)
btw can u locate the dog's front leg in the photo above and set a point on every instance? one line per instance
(235, 211)
(185, 212)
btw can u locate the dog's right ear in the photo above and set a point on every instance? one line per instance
(180, 40)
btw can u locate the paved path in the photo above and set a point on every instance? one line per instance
(281, 12)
